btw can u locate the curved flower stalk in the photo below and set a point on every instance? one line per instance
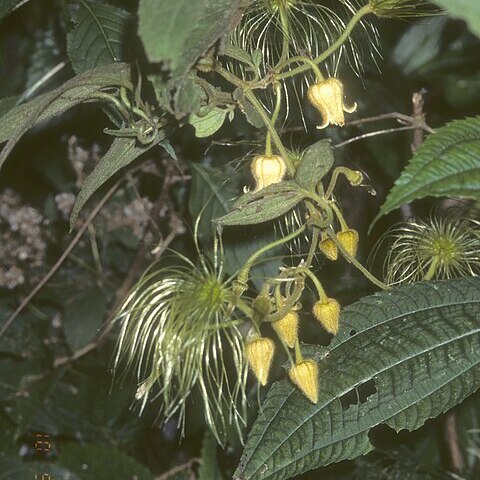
(177, 335)
(439, 248)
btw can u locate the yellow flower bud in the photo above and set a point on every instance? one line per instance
(267, 170)
(349, 241)
(259, 354)
(287, 328)
(327, 98)
(305, 376)
(328, 248)
(327, 312)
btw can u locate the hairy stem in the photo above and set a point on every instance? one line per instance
(337, 44)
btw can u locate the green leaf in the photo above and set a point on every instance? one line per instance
(208, 124)
(251, 114)
(446, 165)
(99, 36)
(316, 163)
(177, 33)
(121, 153)
(210, 196)
(209, 469)
(400, 358)
(73, 92)
(263, 205)
(190, 96)
(84, 316)
(468, 10)
(101, 462)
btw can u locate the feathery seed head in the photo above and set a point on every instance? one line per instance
(446, 247)
(177, 335)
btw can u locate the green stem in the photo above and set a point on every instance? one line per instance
(298, 353)
(276, 111)
(285, 32)
(308, 63)
(337, 44)
(110, 98)
(343, 223)
(313, 246)
(261, 111)
(333, 181)
(271, 129)
(431, 270)
(321, 292)
(243, 275)
(355, 262)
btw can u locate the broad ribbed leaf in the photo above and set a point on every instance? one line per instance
(468, 10)
(178, 32)
(446, 165)
(122, 152)
(99, 36)
(73, 92)
(210, 196)
(208, 124)
(400, 358)
(262, 210)
(316, 163)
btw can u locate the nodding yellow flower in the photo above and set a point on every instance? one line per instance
(327, 98)
(287, 328)
(327, 312)
(329, 248)
(349, 240)
(267, 170)
(259, 353)
(305, 376)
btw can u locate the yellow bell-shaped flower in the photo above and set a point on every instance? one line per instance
(287, 328)
(349, 240)
(327, 312)
(259, 353)
(328, 248)
(327, 98)
(267, 170)
(305, 376)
